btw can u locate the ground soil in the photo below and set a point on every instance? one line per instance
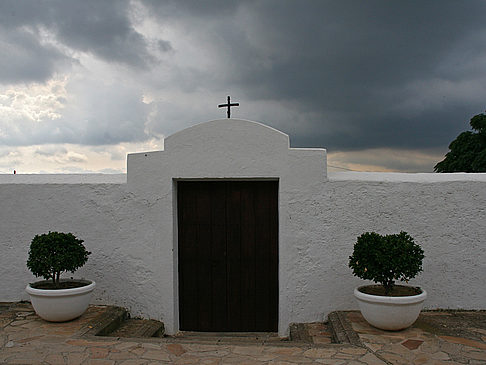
(62, 285)
(398, 290)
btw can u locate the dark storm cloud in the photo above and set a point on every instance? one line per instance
(24, 59)
(102, 28)
(208, 9)
(359, 61)
(356, 58)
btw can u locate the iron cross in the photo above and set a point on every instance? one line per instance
(229, 105)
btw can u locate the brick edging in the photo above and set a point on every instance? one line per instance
(341, 329)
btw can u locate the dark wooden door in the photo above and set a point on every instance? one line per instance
(228, 256)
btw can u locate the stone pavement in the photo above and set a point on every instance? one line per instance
(438, 337)
(27, 339)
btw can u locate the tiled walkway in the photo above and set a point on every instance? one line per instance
(26, 339)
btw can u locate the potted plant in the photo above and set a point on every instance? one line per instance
(55, 299)
(385, 259)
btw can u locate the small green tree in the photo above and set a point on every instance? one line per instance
(54, 253)
(385, 259)
(468, 151)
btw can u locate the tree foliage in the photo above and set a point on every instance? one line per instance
(54, 253)
(385, 259)
(468, 151)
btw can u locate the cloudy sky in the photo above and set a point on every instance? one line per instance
(383, 85)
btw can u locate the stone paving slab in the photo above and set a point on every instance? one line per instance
(438, 337)
(27, 339)
(135, 327)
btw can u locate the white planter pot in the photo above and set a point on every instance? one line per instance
(63, 304)
(390, 313)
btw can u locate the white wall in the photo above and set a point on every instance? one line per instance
(117, 228)
(447, 217)
(129, 227)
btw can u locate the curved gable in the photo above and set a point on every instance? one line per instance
(224, 134)
(225, 149)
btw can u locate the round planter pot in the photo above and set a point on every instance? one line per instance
(63, 304)
(390, 313)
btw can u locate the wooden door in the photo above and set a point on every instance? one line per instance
(228, 256)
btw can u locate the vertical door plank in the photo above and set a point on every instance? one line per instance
(233, 264)
(274, 257)
(248, 257)
(187, 258)
(263, 283)
(203, 265)
(218, 257)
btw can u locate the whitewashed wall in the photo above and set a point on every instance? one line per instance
(119, 230)
(128, 227)
(445, 213)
